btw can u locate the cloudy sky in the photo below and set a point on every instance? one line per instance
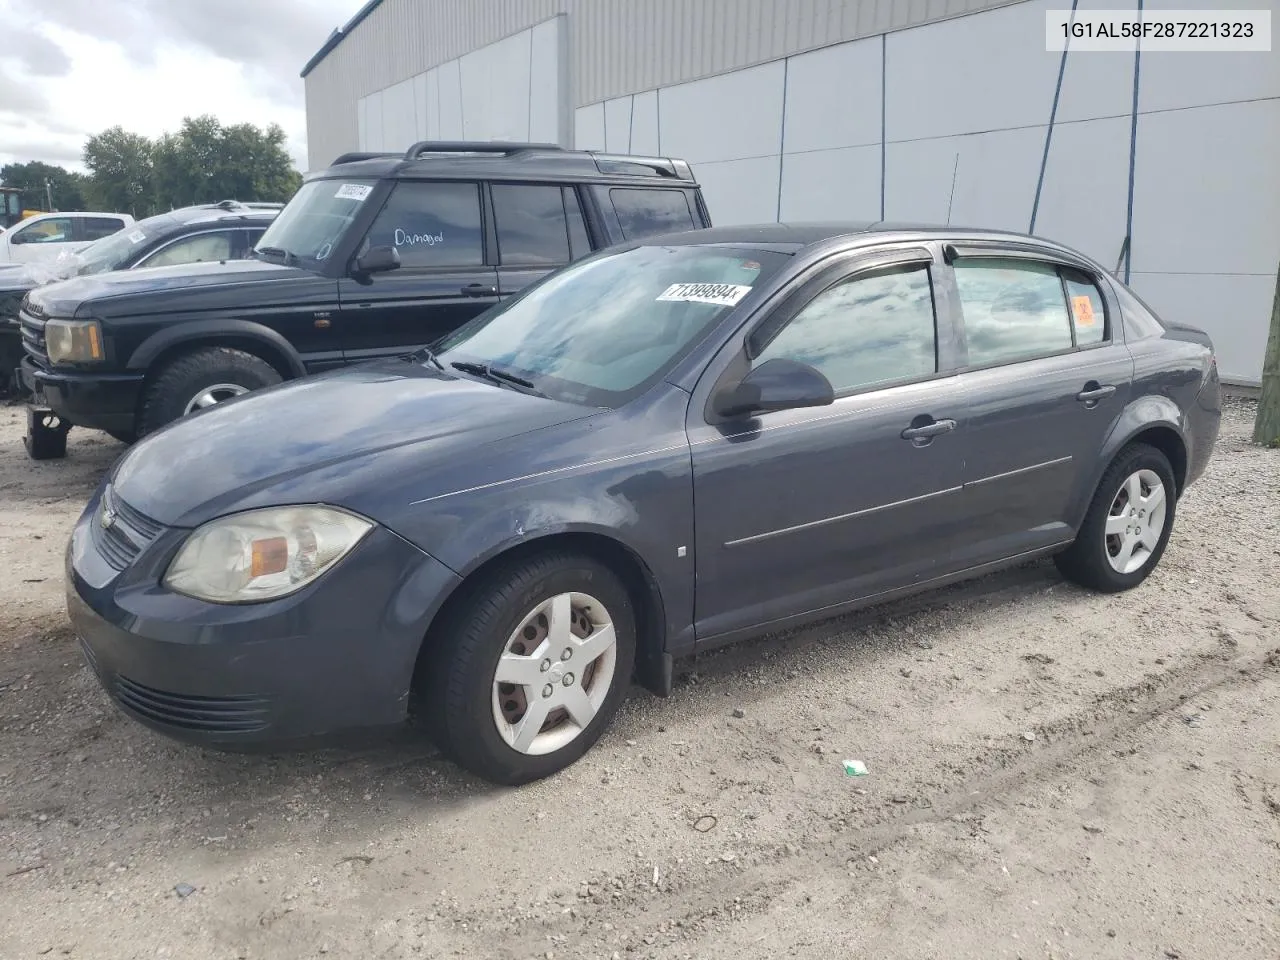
(70, 68)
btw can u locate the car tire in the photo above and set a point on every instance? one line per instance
(487, 726)
(182, 381)
(1125, 530)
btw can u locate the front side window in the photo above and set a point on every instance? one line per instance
(431, 224)
(602, 330)
(53, 230)
(95, 228)
(201, 247)
(532, 227)
(643, 213)
(1013, 310)
(871, 328)
(314, 220)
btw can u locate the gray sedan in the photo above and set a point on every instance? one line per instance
(659, 449)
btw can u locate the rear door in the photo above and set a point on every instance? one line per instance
(539, 227)
(443, 280)
(1047, 375)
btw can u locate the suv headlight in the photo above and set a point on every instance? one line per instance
(73, 341)
(263, 554)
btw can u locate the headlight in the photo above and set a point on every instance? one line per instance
(73, 341)
(263, 554)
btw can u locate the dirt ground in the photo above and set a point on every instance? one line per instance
(1052, 773)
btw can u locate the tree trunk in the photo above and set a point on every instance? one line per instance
(1266, 429)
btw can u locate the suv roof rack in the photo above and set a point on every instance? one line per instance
(474, 146)
(642, 166)
(358, 155)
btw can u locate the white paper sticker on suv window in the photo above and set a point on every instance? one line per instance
(137, 236)
(353, 191)
(723, 294)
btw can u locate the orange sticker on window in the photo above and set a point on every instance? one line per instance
(1082, 309)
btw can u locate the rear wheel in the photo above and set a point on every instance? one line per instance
(1128, 523)
(528, 670)
(201, 379)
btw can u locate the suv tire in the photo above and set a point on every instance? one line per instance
(524, 617)
(1118, 544)
(182, 380)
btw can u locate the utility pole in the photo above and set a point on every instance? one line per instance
(1266, 428)
(48, 194)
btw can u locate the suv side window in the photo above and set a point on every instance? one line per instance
(872, 328)
(431, 224)
(95, 228)
(532, 224)
(193, 249)
(644, 212)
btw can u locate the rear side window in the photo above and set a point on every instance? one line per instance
(532, 224)
(1088, 314)
(1013, 310)
(869, 329)
(430, 224)
(642, 213)
(95, 228)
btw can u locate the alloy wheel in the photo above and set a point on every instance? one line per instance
(1135, 521)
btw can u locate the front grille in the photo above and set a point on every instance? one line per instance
(245, 714)
(33, 336)
(128, 532)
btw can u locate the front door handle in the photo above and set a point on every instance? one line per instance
(479, 290)
(1093, 392)
(928, 431)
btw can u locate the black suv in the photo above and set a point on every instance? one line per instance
(375, 256)
(213, 231)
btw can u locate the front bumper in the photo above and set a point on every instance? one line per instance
(100, 401)
(335, 658)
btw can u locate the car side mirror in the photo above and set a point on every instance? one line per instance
(378, 260)
(777, 384)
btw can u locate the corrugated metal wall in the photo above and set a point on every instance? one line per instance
(617, 46)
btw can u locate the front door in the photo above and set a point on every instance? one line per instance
(442, 282)
(801, 510)
(1047, 380)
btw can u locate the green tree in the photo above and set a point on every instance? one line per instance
(68, 188)
(121, 167)
(205, 162)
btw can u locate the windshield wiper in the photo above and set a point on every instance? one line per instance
(490, 372)
(424, 353)
(287, 256)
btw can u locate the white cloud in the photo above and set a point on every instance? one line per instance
(71, 68)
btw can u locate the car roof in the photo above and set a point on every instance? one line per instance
(497, 160)
(795, 236)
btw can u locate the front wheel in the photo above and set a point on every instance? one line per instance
(529, 669)
(201, 379)
(1127, 526)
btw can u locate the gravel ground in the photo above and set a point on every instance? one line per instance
(1052, 773)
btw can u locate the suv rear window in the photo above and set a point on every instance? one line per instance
(532, 227)
(642, 213)
(95, 228)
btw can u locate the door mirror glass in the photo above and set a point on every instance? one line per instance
(377, 260)
(778, 384)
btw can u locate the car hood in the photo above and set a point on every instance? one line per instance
(65, 297)
(338, 438)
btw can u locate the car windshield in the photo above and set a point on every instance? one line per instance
(603, 330)
(311, 223)
(114, 251)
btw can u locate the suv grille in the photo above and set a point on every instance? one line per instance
(33, 336)
(123, 538)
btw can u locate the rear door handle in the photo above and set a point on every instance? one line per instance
(479, 290)
(928, 430)
(1092, 392)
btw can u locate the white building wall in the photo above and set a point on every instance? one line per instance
(946, 122)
